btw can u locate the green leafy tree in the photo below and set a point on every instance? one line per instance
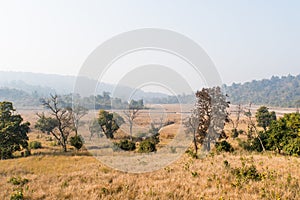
(109, 123)
(13, 133)
(264, 117)
(45, 124)
(284, 134)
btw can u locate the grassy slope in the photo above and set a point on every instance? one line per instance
(60, 176)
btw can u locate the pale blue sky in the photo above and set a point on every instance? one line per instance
(245, 39)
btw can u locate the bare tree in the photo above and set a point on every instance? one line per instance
(235, 123)
(132, 112)
(77, 113)
(63, 118)
(252, 126)
(95, 129)
(192, 124)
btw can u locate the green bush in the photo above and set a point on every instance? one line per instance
(253, 144)
(35, 145)
(17, 195)
(147, 146)
(224, 146)
(77, 141)
(18, 181)
(126, 145)
(245, 173)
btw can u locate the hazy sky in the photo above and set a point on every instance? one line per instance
(245, 39)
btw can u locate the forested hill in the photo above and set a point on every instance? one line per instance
(278, 91)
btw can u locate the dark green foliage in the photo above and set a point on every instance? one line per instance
(126, 145)
(13, 133)
(35, 145)
(264, 117)
(246, 173)
(293, 147)
(77, 141)
(224, 146)
(46, 124)
(147, 146)
(18, 181)
(284, 134)
(17, 195)
(109, 122)
(253, 143)
(235, 132)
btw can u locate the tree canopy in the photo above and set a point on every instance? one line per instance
(13, 132)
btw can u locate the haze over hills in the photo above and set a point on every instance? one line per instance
(44, 84)
(27, 87)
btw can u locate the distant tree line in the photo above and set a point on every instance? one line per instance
(281, 92)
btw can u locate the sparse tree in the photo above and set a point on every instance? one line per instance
(192, 125)
(235, 123)
(13, 133)
(252, 128)
(62, 119)
(132, 112)
(95, 129)
(77, 113)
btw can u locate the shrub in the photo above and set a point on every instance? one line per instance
(191, 153)
(245, 173)
(126, 145)
(235, 132)
(35, 145)
(253, 144)
(17, 195)
(147, 146)
(224, 146)
(77, 141)
(18, 181)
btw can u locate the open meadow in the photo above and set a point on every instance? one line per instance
(50, 173)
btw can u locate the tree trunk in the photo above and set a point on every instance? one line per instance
(130, 131)
(195, 143)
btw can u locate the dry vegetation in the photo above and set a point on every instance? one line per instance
(52, 174)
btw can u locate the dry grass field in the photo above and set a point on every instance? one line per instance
(51, 174)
